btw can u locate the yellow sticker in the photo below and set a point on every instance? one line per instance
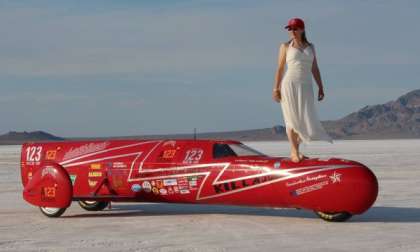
(94, 174)
(95, 166)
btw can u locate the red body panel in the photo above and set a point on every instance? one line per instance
(186, 171)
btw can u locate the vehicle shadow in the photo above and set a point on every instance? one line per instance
(375, 214)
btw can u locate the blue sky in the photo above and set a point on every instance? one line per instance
(109, 68)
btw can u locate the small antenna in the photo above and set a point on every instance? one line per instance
(195, 134)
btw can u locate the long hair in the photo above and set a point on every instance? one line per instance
(304, 38)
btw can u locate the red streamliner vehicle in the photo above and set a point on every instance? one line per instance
(199, 171)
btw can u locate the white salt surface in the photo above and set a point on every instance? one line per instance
(393, 224)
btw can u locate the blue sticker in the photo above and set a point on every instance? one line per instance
(136, 188)
(277, 165)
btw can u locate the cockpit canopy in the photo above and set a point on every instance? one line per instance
(221, 150)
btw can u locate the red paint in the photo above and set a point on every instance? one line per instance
(185, 171)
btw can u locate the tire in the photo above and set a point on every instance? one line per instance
(334, 217)
(93, 205)
(52, 212)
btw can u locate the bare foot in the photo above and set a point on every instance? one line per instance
(295, 158)
(301, 156)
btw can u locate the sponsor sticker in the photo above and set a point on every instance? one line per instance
(310, 188)
(94, 174)
(176, 189)
(170, 190)
(184, 191)
(95, 166)
(119, 165)
(159, 184)
(155, 190)
(277, 165)
(192, 181)
(183, 183)
(163, 191)
(147, 187)
(170, 182)
(73, 178)
(29, 175)
(135, 187)
(50, 155)
(92, 183)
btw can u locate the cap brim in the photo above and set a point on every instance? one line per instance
(293, 26)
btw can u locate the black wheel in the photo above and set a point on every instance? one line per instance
(93, 205)
(334, 217)
(52, 212)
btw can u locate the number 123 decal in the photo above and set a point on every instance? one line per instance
(193, 156)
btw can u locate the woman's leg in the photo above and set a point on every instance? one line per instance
(294, 155)
(299, 141)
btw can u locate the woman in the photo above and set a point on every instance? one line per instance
(294, 89)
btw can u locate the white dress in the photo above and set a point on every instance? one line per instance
(297, 96)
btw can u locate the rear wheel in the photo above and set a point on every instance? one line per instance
(91, 205)
(334, 217)
(52, 212)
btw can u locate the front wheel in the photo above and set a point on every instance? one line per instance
(93, 205)
(52, 212)
(334, 217)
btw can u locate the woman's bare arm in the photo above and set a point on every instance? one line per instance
(279, 72)
(317, 76)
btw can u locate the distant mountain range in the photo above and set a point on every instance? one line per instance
(394, 119)
(14, 137)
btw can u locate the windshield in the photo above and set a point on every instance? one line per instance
(234, 150)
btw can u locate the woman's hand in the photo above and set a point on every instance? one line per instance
(321, 94)
(276, 95)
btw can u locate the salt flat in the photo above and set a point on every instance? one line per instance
(393, 224)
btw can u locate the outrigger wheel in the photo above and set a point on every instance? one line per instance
(91, 205)
(334, 217)
(52, 212)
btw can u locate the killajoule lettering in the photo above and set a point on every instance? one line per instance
(235, 185)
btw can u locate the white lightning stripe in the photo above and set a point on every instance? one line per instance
(264, 183)
(101, 159)
(134, 161)
(285, 173)
(182, 167)
(103, 151)
(176, 176)
(150, 152)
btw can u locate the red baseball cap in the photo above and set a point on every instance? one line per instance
(295, 23)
